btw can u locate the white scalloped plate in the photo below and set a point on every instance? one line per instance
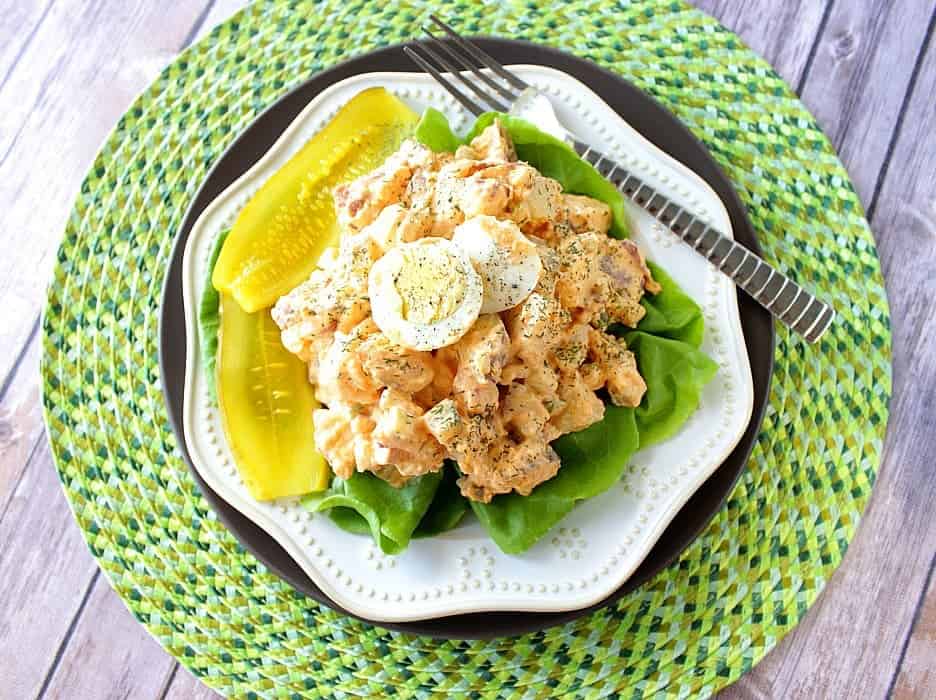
(603, 540)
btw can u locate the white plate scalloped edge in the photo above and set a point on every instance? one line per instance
(602, 541)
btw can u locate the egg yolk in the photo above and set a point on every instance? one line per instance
(430, 282)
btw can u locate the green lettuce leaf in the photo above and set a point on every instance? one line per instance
(366, 504)
(670, 313)
(433, 132)
(676, 373)
(448, 506)
(209, 321)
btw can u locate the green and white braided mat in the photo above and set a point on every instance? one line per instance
(691, 630)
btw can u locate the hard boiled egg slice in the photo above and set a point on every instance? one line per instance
(425, 294)
(507, 261)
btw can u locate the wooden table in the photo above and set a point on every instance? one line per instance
(866, 69)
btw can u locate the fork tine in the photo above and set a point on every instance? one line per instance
(455, 72)
(466, 101)
(460, 59)
(479, 54)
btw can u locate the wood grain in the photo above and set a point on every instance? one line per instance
(18, 24)
(60, 100)
(127, 661)
(42, 587)
(917, 675)
(866, 69)
(859, 79)
(21, 425)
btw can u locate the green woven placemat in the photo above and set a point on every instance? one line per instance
(694, 628)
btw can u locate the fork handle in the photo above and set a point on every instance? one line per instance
(781, 296)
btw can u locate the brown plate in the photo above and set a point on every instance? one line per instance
(656, 124)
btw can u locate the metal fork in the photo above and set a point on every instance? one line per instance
(498, 89)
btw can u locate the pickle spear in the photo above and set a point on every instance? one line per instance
(278, 237)
(266, 406)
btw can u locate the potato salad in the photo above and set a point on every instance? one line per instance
(464, 316)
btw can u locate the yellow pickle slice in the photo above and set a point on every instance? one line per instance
(266, 406)
(278, 237)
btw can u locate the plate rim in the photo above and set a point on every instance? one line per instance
(756, 407)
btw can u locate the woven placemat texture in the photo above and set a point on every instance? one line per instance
(694, 628)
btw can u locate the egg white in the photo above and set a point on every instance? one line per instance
(508, 276)
(388, 307)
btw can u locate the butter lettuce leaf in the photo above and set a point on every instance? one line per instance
(366, 504)
(675, 372)
(209, 321)
(671, 313)
(448, 506)
(433, 132)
